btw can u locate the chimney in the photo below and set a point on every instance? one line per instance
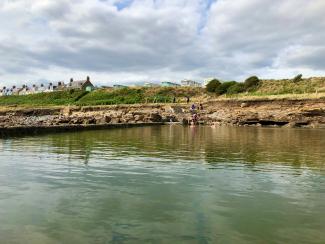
(71, 80)
(88, 79)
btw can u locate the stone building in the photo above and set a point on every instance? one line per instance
(85, 85)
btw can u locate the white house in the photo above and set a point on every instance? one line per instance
(3, 91)
(50, 88)
(41, 88)
(34, 89)
(190, 83)
(15, 90)
(150, 84)
(169, 84)
(24, 90)
(9, 92)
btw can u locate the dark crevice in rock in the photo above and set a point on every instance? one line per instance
(264, 122)
(273, 123)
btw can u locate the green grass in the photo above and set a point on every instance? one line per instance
(287, 86)
(272, 88)
(120, 96)
(103, 97)
(41, 99)
(138, 95)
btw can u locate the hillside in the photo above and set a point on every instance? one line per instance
(271, 89)
(41, 99)
(287, 86)
(140, 95)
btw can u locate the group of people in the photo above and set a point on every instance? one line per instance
(195, 117)
(194, 107)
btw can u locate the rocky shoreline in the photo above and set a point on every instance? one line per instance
(277, 113)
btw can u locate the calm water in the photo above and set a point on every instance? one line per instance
(166, 184)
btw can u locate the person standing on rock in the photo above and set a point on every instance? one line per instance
(194, 119)
(193, 107)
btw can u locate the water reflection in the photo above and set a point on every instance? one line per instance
(296, 147)
(166, 184)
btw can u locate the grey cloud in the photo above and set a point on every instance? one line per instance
(308, 57)
(231, 40)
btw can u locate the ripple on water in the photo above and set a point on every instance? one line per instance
(225, 185)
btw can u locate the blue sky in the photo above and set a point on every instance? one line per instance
(154, 40)
(123, 4)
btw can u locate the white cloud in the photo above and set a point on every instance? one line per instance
(135, 40)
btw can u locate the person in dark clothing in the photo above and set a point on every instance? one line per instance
(195, 119)
(174, 100)
(201, 106)
(187, 99)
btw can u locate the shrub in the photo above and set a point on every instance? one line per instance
(213, 85)
(236, 88)
(251, 83)
(297, 78)
(223, 88)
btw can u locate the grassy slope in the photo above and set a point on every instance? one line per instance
(310, 88)
(272, 89)
(138, 95)
(41, 99)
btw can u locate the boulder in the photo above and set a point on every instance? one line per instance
(103, 120)
(155, 117)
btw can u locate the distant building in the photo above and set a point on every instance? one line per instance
(34, 89)
(3, 91)
(15, 90)
(149, 84)
(41, 89)
(9, 92)
(23, 91)
(49, 88)
(119, 86)
(60, 86)
(85, 85)
(190, 83)
(169, 84)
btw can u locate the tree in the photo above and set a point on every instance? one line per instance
(237, 88)
(297, 78)
(223, 88)
(213, 85)
(251, 83)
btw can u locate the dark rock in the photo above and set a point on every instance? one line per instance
(155, 117)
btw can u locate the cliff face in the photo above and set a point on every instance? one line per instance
(289, 113)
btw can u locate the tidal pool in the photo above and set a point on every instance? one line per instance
(164, 184)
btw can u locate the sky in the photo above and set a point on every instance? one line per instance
(128, 41)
